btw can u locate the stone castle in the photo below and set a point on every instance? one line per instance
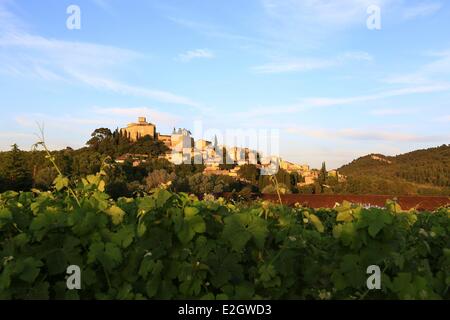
(142, 128)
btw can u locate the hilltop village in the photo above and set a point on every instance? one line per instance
(184, 148)
(137, 159)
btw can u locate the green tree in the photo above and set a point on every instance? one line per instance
(159, 177)
(322, 179)
(204, 184)
(17, 173)
(44, 178)
(98, 137)
(250, 173)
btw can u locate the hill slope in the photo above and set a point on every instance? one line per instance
(418, 172)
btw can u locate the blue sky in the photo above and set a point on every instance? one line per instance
(311, 69)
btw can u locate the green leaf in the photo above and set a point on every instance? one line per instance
(113, 253)
(124, 237)
(189, 212)
(61, 182)
(187, 228)
(101, 186)
(240, 228)
(162, 196)
(93, 179)
(317, 223)
(344, 216)
(5, 214)
(375, 220)
(109, 255)
(116, 214)
(152, 287)
(142, 228)
(56, 262)
(197, 224)
(31, 269)
(5, 217)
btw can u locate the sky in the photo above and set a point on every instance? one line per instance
(315, 75)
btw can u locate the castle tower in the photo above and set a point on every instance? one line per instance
(140, 129)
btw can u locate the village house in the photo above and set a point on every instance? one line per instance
(184, 149)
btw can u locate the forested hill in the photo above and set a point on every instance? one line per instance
(421, 171)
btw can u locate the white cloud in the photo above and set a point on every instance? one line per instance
(443, 119)
(324, 12)
(33, 56)
(392, 112)
(10, 134)
(67, 122)
(59, 129)
(308, 64)
(104, 4)
(427, 74)
(153, 115)
(196, 54)
(367, 135)
(23, 140)
(294, 66)
(421, 10)
(358, 56)
(316, 102)
(215, 31)
(99, 82)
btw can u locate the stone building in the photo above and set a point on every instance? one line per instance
(166, 139)
(181, 139)
(135, 131)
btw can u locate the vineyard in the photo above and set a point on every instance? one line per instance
(173, 246)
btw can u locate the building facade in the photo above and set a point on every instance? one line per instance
(136, 131)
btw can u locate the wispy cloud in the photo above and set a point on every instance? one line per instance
(195, 54)
(443, 119)
(104, 4)
(299, 65)
(393, 111)
(28, 55)
(153, 115)
(421, 10)
(318, 102)
(357, 56)
(308, 64)
(367, 135)
(215, 31)
(99, 82)
(428, 73)
(66, 122)
(60, 126)
(336, 13)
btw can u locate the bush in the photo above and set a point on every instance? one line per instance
(281, 187)
(158, 178)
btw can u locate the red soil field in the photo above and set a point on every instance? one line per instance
(421, 203)
(328, 201)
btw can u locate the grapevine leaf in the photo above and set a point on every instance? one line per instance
(317, 223)
(31, 269)
(116, 214)
(240, 228)
(61, 182)
(190, 211)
